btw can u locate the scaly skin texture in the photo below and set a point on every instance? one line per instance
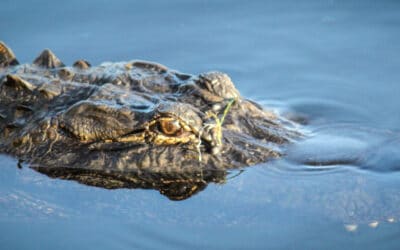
(132, 124)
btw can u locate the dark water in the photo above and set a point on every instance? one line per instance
(332, 63)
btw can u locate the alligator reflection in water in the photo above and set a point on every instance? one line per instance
(131, 125)
(174, 186)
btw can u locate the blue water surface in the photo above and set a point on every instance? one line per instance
(334, 64)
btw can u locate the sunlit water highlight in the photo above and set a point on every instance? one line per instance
(331, 65)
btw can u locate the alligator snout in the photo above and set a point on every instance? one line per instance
(219, 84)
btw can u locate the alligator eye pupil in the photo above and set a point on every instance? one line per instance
(170, 127)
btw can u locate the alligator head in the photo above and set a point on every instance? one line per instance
(135, 124)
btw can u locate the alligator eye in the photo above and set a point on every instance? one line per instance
(170, 126)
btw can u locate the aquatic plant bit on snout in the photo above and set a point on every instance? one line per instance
(217, 126)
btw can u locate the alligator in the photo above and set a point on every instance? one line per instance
(133, 124)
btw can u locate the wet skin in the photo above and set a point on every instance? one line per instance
(132, 124)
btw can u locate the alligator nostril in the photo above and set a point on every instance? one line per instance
(219, 84)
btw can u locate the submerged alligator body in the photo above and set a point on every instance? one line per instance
(131, 125)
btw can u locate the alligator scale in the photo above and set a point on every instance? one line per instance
(131, 124)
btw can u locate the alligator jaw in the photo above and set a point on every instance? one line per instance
(131, 125)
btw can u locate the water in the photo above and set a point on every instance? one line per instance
(333, 64)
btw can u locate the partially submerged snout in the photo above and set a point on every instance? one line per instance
(135, 124)
(125, 113)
